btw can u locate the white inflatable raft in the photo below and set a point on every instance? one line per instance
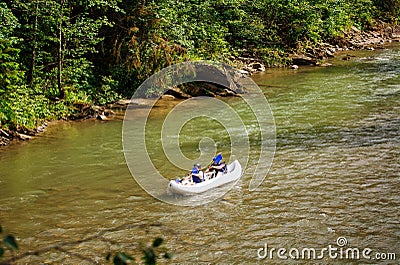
(233, 173)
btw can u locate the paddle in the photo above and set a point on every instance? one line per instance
(217, 159)
(218, 156)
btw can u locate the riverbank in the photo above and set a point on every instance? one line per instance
(83, 112)
(317, 55)
(354, 39)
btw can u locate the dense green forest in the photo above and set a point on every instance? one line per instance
(59, 55)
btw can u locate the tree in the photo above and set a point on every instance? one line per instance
(9, 67)
(60, 36)
(136, 47)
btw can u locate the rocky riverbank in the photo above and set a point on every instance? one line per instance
(354, 39)
(7, 136)
(81, 111)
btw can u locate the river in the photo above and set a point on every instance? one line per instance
(335, 174)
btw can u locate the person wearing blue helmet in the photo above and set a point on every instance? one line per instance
(218, 166)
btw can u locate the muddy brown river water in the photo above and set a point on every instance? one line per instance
(334, 182)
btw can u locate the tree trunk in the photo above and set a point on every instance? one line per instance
(31, 71)
(60, 55)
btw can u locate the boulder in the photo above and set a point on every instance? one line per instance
(23, 137)
(101, 116)
(388, 32)
(167, 97)
(108, 112)
(396, 32)
(303, 60)
(325, 64)
(329, 53)
(41, 128)
(4, 141)
(123, 102)
(256, 67)
(228, 93)
(242, 73)
(176, 93)
(4, 133)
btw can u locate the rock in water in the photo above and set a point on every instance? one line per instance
(303, 60)
(23, 137)
(101, 117)
(257, 66)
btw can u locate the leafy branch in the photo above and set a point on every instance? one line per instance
(150, 253)
(8, 243)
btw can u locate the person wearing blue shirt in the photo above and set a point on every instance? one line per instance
(218, 166)
(196, 174)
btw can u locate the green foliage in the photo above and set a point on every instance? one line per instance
(105, 93)
(10, 75)
(8, 242)
(388, 10)
(150, 255)
(272, 57)
(120, 258)
(23, 109)
(56, 54)
(157, 242)
(195, 25)
(8, 22)
(142, 50)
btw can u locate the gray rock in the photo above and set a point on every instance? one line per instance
(303, 60)
(177, 93)
(23, 137)
(243, 73)
(4, 133)
(329, 54)
(101, 117)
(168, 97)
(256, 67)
(325, 64)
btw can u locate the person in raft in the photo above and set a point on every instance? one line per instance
(196, 174)
(217, 166)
